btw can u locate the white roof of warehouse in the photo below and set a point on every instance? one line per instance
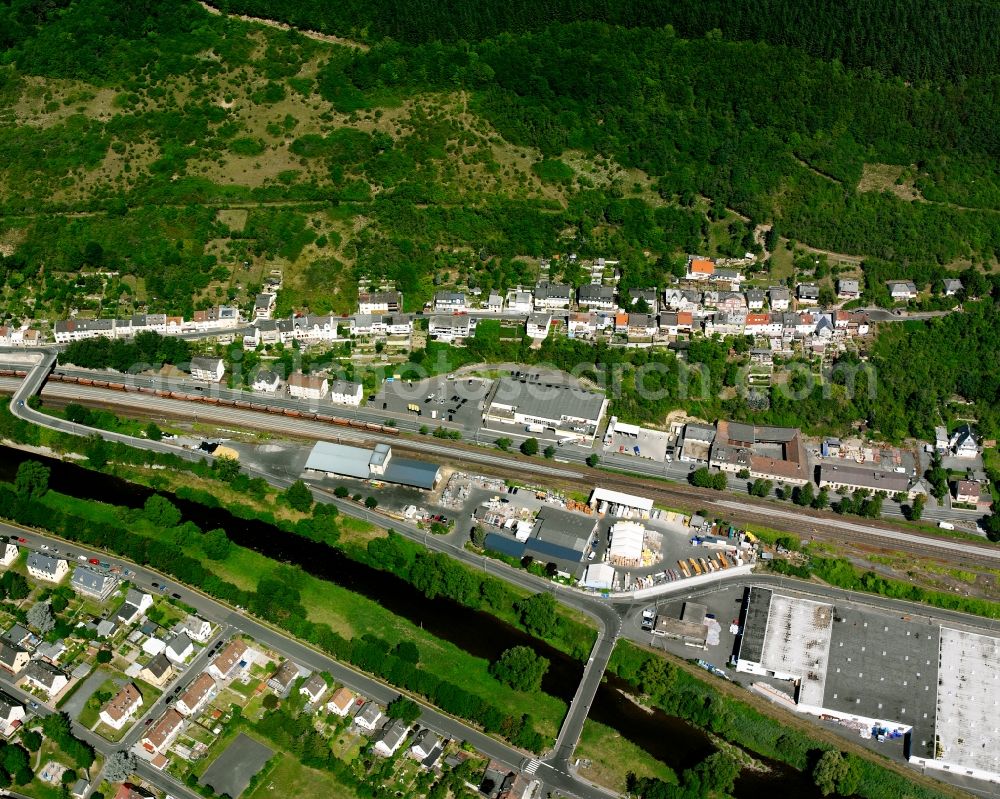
(968, 700)
(626, 540)
(620, 498)
(599, 575)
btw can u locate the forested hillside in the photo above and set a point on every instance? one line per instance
(187, 154)
(918, 39)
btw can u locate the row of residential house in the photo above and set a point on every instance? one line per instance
(548, 297)
(19, 336)
(161, 734)
(220, 318)
(312, 329)
(781, 328)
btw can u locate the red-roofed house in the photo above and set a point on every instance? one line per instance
(700, 269)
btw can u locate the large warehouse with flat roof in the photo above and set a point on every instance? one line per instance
(371, 464)
(532, 402)
(937, 687)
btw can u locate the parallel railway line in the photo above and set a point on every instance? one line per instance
(803, 522)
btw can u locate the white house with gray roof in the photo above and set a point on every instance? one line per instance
(450, 301)
(13, 658)
(450, 328)
(94, 584)
(552, 296)
(210, 369)
(12, 713)
(368, 717)
(45, 676)
(596, 297)
(9, 555)
(902, 290)
(951, 286)
(179, 648)
(848, 289)
(134, 607)
(391, 738)
(47, 568)
(520, 301)
(345, 392)
(197, 629)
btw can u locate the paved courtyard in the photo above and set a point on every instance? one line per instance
(232, 771)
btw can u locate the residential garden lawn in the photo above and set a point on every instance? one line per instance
(245, 691)
(92, 709)
(37, 789)
(612, 758)
(294, 779)
(113, 735)
(347, 745)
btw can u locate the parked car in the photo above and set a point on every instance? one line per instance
(93, 561)
(82, 558)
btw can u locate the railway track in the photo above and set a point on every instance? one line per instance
(803, 522)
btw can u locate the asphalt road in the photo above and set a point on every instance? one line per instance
(555, 768)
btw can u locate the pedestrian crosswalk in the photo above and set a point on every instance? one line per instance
(532, 766)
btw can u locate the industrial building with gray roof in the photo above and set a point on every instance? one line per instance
(937, 688)
(372, 464)
(558, 536)
(533, 402)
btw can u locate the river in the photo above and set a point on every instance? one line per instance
(670, 739)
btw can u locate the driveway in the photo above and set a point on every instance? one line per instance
(76, 702)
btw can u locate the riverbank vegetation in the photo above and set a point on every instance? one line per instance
(608, 758)
(371, 636)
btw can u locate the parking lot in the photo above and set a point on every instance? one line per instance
(232, 771)
(459, 401)
(642, 443)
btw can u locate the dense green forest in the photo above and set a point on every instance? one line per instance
(185, 154)
(766, 129)
(919, 39)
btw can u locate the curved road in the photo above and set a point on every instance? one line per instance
(554, 771)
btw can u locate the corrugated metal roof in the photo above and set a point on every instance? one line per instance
(504, 545)
(340, 459)
(417, 474)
